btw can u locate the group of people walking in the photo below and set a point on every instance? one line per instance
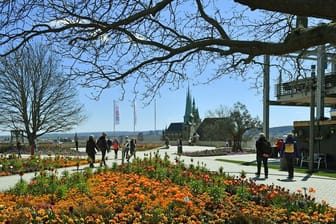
(104, 145)
(288, 150)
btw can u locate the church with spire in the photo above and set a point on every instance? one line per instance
(187, 128)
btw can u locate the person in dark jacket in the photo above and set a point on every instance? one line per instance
(263, 149)
(91, 150)
(132, 148)
(125, 150)
(290, 152)
(102, 145)
(179, 146)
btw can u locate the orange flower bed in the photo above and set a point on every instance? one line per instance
(156, 191)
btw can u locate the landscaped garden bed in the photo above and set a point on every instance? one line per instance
(12, 164)
(49, 158)
(153, 190)
(214, 152)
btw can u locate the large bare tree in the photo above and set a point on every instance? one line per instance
(237, 122)
(158, 42)
(34, 94)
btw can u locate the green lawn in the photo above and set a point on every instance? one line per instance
(321, 172)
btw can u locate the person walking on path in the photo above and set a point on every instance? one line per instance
(115, 146)
(179, 146)
(263, 148)
(125, 150)
(76, 141)
(290, 152)
(91, 150)
(102, 145)
(132, 149)
(109, 145)
(167, 142)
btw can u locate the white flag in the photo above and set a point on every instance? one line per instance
(116, 113)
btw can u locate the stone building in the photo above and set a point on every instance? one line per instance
(187, 128)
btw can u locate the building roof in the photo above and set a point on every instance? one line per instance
(175, 127)
(212, 120)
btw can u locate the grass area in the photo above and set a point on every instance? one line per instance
(322, 173)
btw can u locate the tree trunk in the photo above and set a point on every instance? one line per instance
(31, 141)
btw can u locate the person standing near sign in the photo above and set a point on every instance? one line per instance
(290, 152)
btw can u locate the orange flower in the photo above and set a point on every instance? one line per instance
(312, 190)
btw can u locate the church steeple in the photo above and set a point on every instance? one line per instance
(188, 109)
(196, 117)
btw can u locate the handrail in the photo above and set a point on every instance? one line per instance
(302, 85)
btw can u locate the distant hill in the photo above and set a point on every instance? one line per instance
(96, 134)
(280, 131)
(273, 132)
(65, 137)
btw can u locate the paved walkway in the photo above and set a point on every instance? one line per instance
(325, 187)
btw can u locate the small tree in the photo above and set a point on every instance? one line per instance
(238, 121)
(241, 121)
(35, 96)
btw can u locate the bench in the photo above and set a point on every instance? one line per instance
(318, 158)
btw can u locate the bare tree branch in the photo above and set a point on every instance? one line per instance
(114, 43)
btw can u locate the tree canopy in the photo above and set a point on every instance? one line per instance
(164, 42)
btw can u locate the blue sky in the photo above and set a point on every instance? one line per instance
(170, 107)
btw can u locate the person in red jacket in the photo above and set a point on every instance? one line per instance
(279, 145)
(115, 146)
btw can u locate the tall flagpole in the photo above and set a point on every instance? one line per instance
(154, 115)
(134, 116)
(114, 117)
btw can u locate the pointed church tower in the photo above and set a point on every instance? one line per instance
(191, 117)
(195, 113)
(191, 121)
(188, 109)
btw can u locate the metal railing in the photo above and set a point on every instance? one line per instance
(302, 86)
